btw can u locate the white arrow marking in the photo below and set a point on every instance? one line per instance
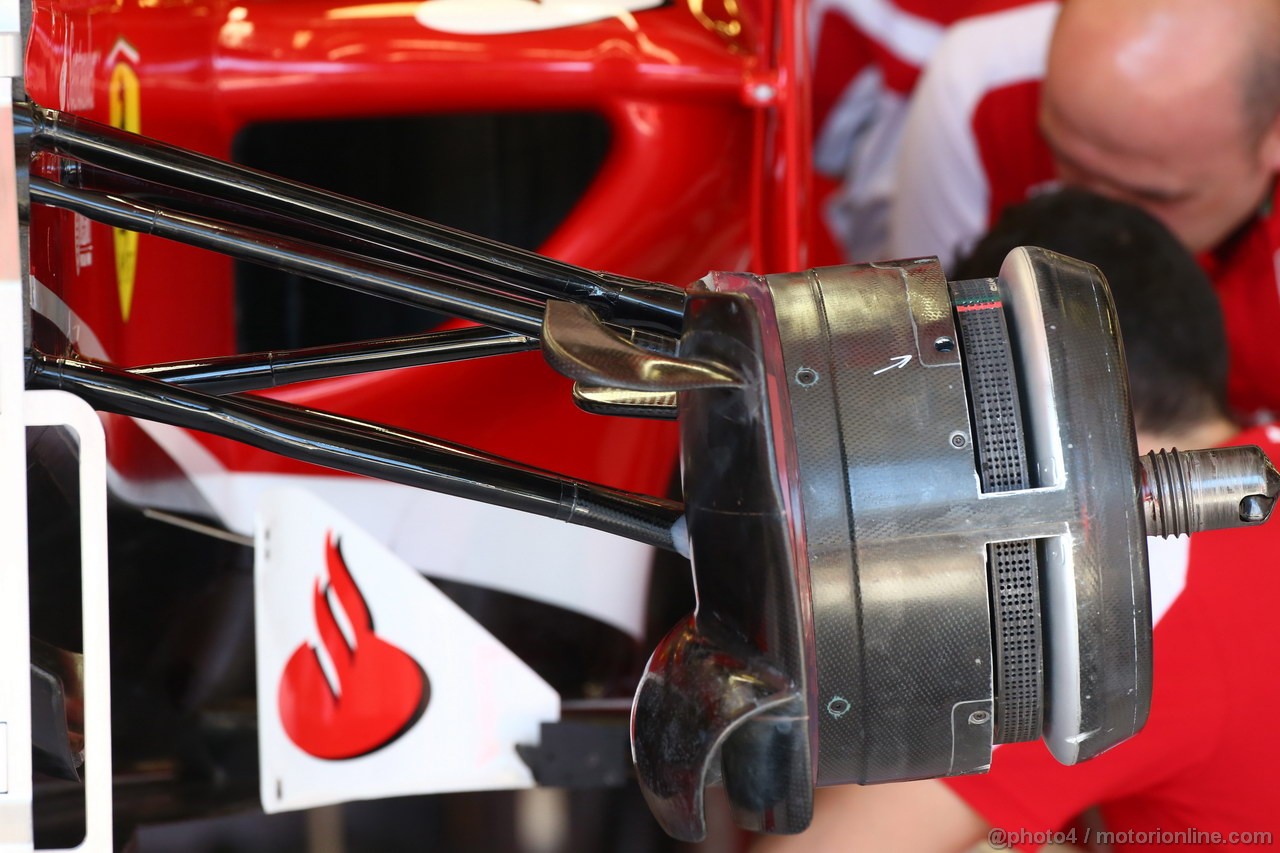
(122, 47)
(899, 361)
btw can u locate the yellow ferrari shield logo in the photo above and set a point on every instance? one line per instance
(126, 115)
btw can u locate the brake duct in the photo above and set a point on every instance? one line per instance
(917, 520)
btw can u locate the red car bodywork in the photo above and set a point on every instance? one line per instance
(705, 171)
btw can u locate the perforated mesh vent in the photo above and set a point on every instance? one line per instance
(988, 361)
(1018, 653)
(1000, 450)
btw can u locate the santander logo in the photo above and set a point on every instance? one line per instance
(374, 692)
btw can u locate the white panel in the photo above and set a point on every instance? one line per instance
(59, 408)
(15, 679)
(371, 682)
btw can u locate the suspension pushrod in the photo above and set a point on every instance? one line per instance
(254, 371)
(83, 176)
(363, 447)
(366, 275)
(617, 299)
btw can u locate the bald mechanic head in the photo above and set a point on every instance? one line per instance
(1171, 105)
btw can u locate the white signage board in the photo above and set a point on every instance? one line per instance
(371, 682)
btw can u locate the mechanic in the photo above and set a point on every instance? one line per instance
(1173, 105)
(867, 58)
(1206, 761)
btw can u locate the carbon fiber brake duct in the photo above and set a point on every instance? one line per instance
(917, 520)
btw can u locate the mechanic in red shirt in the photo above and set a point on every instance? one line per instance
(1206, 762)
(1173, 105)
(867, 57)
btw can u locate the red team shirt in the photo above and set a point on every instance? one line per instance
(867, 57)
(893, 40)
(1207, 759)
(970, 147)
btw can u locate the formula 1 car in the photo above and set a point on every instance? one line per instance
(354, 553)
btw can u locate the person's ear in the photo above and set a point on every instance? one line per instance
(1269, 150)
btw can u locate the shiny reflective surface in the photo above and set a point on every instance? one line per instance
(255, 371)
(713, 707)
(361, 447)
(1187, 491)
(577, 345)
(432, 291)
(671, 202)
(726, 695)
(454, 255)
(663, 405)
(673, 199)
(869, 597)
(1094, 584)
(887, 528)
(895, 551)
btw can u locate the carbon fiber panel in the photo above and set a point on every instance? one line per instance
(900, 606)
(725, 694)
(840, 535)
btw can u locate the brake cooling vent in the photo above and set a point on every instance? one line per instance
(1001, 453)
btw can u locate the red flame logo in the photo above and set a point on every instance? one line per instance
(378, 693)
